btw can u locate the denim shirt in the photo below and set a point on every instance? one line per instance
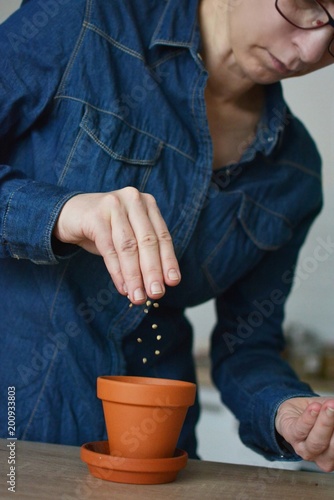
(97, 95)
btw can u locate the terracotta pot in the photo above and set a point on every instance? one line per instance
(144, 416)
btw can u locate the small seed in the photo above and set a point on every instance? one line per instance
(145, 310)
(159, 337)
(144, 360)
(148, 303)
(131, 305)
(154, 326)
(157, 353)
(155, 304)
(139, 340)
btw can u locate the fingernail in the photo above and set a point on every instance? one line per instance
(139, 294)
(156, 288)
(173, 275)
(124, 288)
(330, 411)
(314, 413)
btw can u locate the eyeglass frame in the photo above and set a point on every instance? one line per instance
(330, 22)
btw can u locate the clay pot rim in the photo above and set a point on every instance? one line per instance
(133, 390)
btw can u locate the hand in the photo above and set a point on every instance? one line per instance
(308, 425)
(126, 228)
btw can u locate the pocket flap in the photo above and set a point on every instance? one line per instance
(267, 229)
(119, 139)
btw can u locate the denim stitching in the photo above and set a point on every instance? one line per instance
(76, 49)
(268, 210)
(303, 169)
(69, 158)
(120, 157)
(112, 41)
(6, 215)
(157, 29)
(166, 144)
(50, 224)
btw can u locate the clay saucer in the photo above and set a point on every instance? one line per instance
(131, 470)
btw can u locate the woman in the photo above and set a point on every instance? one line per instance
(155, 135)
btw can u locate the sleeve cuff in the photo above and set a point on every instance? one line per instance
(273, 446)
(31, 213)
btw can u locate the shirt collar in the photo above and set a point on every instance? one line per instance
(178, 25)
(273, 120)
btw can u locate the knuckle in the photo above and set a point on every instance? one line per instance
(112, 201)
(132, 193)
(150, 200)
(148, 240)
(129, 246)
(111, 252)
(165, 236)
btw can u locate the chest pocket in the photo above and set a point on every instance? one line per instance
(251, 232)
(109, 154)
(268, 230)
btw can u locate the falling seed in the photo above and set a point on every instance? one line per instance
(159, 337)
(148, 303)
(131, 305)
(155, 304)
(154, 326)
(157, 353)
(144, 360)
(145, 310)
(139, 340)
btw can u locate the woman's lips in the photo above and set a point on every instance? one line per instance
(279, 66)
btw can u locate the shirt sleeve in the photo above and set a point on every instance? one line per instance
(36, 45)
(247, 342)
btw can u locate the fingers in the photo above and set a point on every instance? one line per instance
(321, 433)
(308, 425)
(137, 247)
(304, 424)
(168, 262)
(126, 228)
(315, 434)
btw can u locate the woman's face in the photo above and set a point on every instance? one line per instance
(267, 48)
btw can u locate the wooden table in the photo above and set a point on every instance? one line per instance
(55, 472)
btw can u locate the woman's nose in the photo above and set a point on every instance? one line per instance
(313, 43)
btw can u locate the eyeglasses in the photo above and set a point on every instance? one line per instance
(306, 15)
